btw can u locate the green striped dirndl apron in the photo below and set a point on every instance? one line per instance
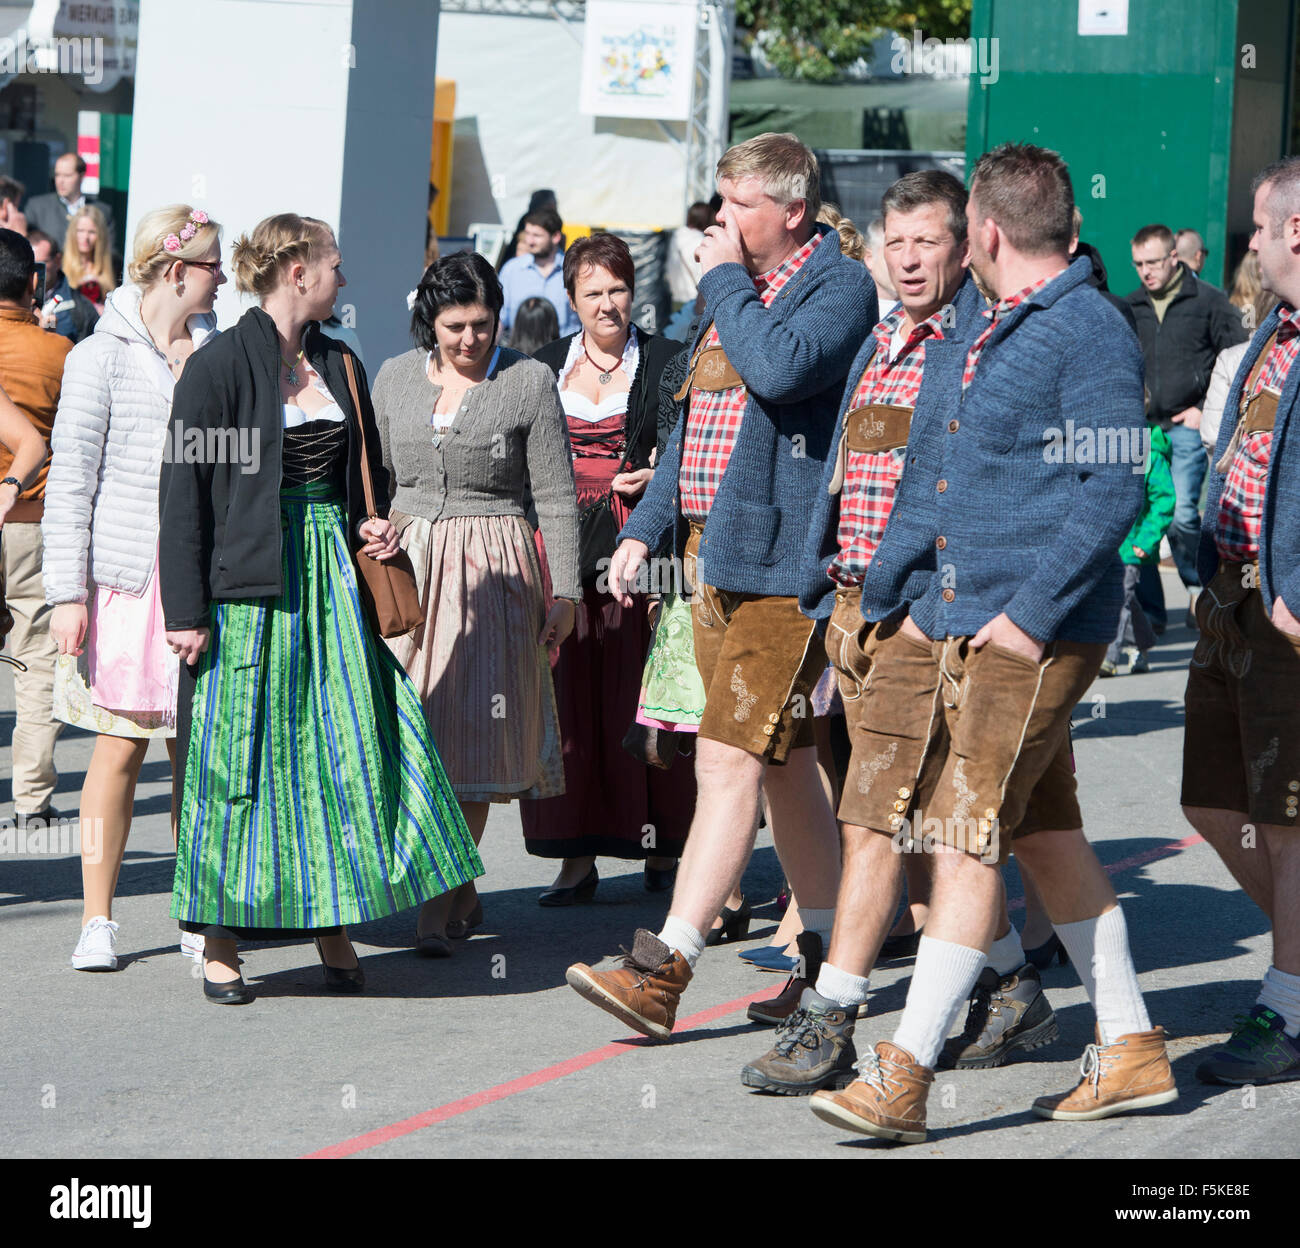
(314, 795)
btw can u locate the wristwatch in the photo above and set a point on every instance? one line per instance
(18, 485)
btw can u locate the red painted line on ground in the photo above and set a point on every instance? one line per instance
(382, 1135)
(441, 1113)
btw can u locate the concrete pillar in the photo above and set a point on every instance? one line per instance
(324, 107)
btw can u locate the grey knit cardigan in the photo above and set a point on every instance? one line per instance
(510, 432)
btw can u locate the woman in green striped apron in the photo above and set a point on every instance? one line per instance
(312, 794)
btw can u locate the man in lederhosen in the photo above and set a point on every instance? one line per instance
(1241, 752)
(785, 313)
(1009, 633)
(871, 551)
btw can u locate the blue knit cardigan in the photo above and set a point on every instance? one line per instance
(901, 568)
(793, 358)
(1045, 474)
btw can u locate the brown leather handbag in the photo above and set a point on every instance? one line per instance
(388, 585)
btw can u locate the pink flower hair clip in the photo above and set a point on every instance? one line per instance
(197, 218)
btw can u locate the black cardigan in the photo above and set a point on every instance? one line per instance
(219, 525)
(642, 399)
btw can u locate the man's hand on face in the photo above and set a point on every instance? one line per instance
(721, 245)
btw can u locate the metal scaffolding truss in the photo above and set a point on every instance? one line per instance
(709, 123)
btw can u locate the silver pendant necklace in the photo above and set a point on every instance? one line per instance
(605, 374)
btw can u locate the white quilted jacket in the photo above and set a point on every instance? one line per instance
(107, 443)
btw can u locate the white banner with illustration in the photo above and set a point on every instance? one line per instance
(638, 60)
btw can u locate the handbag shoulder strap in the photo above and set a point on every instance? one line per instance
(366, 483)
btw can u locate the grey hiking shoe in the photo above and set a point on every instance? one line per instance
(1006, 1013)
(814, 1046)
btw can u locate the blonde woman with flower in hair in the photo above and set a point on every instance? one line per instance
(311, 794)
(115, 675)
(88, 256)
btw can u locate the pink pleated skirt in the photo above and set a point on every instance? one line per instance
(124, 682)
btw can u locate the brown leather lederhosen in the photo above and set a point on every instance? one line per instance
(870, 429)
(710, 370)
(1217, 606)
(1256, 412)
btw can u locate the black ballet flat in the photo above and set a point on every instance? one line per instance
(459, 929)
(1041, 955)
(432, 946)
(657, 881)
(735, 924)
(341, 979)
(583, 891)
(234, 993)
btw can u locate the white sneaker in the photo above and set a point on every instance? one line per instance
(192, 945)
(97, 948)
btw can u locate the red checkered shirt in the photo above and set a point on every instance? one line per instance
(871, 477)
(995, 314)
(1241, 505)
(714, 416)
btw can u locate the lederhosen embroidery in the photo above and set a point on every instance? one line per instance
(870, 429)
(710, 370)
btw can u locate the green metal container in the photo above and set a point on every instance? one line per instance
(1167, 123)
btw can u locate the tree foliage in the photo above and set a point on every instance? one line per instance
(817, 39)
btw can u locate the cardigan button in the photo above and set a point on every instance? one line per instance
(953, 426)
(941, 542)
(943, 485)
(948, 595)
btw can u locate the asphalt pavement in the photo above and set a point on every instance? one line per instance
(489, 1054)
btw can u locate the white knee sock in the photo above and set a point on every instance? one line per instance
(680, 935)
(841, 987)
(1007, 954)
(819, 921)
(1099, 950)
(1281, 993)
(942, 980)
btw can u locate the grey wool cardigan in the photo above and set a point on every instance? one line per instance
(509, 433)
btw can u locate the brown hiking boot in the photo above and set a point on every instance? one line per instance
(1132, 1073)
(644, 991)
(887, 1099)
(777, 1009)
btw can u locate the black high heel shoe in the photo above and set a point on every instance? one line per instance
(341, 979)
(583, 891)
(735, 924)
(1041, 955)
(900, 946)
(657, 881)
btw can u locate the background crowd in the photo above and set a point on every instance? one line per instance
(509, 447)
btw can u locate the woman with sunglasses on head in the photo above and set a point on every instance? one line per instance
(311, 793)
(115, 675)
